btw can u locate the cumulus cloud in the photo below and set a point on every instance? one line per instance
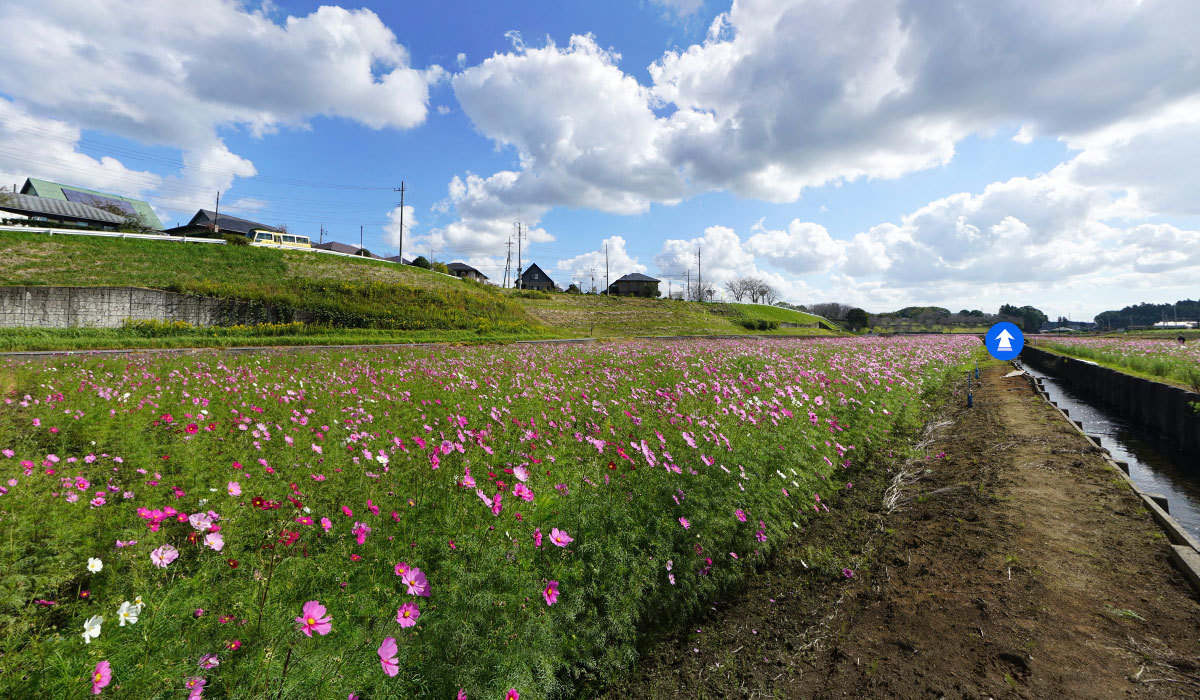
(180, 70)
(47, 148)
(803, 248)
(392, 229)
(173, 74)
(619, 263)
(769, 104)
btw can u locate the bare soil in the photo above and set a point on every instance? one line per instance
(1016, 565)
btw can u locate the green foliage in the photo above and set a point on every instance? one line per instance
(441, 267)
(530, 294)
(235, 239)
(573, 289)
(1032, 319)
(421, 262)
(857, 318)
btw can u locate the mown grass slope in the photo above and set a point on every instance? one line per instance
(344, 293)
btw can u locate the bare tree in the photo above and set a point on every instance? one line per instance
(768, 294)
(736, 289)
(830, 309)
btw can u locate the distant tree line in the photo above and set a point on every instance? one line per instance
(1145, 314)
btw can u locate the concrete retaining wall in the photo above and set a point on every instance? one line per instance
(1157, 407)
(109, 307)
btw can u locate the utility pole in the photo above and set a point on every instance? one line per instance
(688, 295)
(360, 241)
(520, 283)
(606, 268)
(507, 263)
(592, 275)
(322, 233)
(699, 280)
(400, 248)
(217, 214)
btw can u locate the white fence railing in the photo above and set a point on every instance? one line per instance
(188, 239)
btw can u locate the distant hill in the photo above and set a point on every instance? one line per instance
(348, 292)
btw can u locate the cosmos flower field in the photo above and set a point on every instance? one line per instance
(483, 522)
(1163, 358)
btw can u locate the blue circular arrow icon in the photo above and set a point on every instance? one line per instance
(1004, 341)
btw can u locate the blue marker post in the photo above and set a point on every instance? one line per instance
(970, 396)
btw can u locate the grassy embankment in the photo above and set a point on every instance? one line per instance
(1158, 359)
(354, 300)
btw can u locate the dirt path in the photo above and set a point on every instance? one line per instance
(1016, 566)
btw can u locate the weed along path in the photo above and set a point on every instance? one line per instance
(1013, 563)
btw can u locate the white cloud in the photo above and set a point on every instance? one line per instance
(182, 69)
(47, 148)
(619, 263)
(783, 95)
(392, 229)
(173, 74)
(803, 248)
(680, 8)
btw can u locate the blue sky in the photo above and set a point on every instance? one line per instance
(874, 153)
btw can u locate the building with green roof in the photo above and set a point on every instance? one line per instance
(92, 198)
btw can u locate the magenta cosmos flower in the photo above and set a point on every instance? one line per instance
(560, 538)
(387, 656)
(417, 584)
(164, 555)
(512, 694)
(101, 677)
(550, 592)
(313, 618)
(407, 614)
(684, 522)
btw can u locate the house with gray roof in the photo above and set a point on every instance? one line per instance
(202, 225)
(634, 284)
(28, 210)
(534, 278)
(465, 271)
(113, 203)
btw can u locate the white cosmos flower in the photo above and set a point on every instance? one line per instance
(94, 565)
(128, 613)
(91, 628)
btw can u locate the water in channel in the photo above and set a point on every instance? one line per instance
(1155, 465)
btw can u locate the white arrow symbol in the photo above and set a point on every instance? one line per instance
(1004, 337)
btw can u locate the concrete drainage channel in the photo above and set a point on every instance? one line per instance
(1185, 549)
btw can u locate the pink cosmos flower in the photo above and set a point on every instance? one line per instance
(848, 573)
(196, 686)
(387, 656)
(522, 491)
(417, 584)
(402, 569)
(326, 523)
(164, 555)
(740, 515)
(550, 592)
(684, 522)
(209, 661)
(235, 489)
(537, 537)
(462, 694)
(313, 618)
(101, 677)
(496, 507)
(521, 473)
(316, 448)
(347, 512)
(214, 541)
(407, 614)
(512, 694)
(560, 538)
(360, 531)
